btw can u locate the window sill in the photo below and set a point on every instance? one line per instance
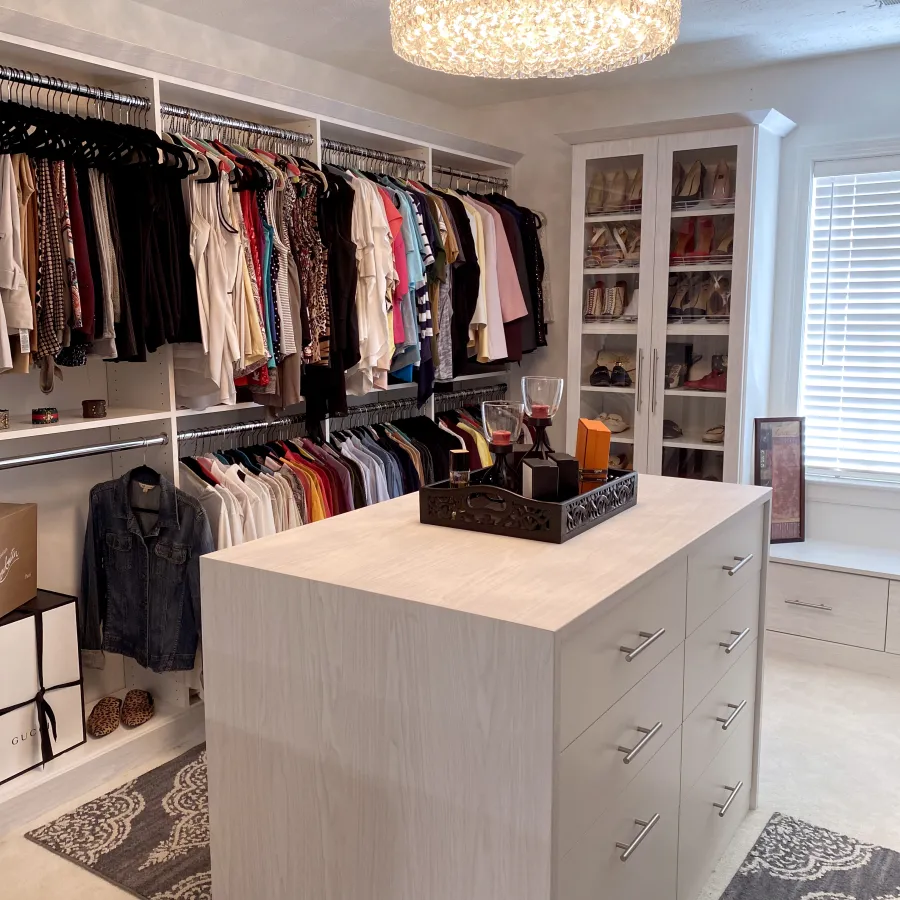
(873, 494)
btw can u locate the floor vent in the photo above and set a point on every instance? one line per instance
(889, 2)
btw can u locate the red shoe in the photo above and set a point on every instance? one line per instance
(684, 237)
(715, 381)
(703, 241)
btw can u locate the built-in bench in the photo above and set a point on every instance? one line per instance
(836, 603)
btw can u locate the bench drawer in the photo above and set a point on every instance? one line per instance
(828, 606)
(595, 670)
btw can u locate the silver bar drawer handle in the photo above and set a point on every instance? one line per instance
(740, 561)
(738, 709)
(739, 636)
(632, 652)
(723, 807)
(646, 828)
(822, 606)
(649, 734)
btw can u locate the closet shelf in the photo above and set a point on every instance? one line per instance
(721, 267)
(698, 328)
(692, 441)
(475, 377)
(681, 392)
(703, 209)
(589, 388)
(624, 437)
(614, 270)
(609, 328)
(612, 217)
(71, 420)
(212, 410)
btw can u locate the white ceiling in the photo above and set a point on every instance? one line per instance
(716, 36)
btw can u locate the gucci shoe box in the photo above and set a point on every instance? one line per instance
(41, 699)
(18, 555)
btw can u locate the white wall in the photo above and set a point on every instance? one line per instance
(843, 99)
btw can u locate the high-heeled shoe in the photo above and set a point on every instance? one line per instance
(723, 191)
(679, 299)
(704, 238)
(614, 303)
(633, 245)
(726, 245)
(692, 186)
(677, 178)
(593, 307)
(684, 237)
(636, 191)
(596, 195)
(630, 313)
(698, 305)
(601, 239)
(719, 305)
(617, 191)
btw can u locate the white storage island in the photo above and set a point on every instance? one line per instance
(396, 711)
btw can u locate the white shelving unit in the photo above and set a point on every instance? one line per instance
(141, 402)
(657, 341)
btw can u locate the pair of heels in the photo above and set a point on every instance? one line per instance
(610, 246)
(696, 238)
(611, 303)
(709, 299)
(688, 186)
(610, 192)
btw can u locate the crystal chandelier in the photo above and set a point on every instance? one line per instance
(532, 38)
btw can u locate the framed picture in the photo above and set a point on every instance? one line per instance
(780, 466)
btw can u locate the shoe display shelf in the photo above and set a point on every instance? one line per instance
(671, 279)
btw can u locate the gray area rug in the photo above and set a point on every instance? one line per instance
(793, 860)
(149, 837)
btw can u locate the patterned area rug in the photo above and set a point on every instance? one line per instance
(796, 861)
(149, 837)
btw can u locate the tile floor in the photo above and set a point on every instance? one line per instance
(831, 741)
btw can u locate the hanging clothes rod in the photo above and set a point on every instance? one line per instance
(48, 82)
(472, 176)
(339, 147)
(208, 118)
(455, 399)
(260, 425)
(16, 462)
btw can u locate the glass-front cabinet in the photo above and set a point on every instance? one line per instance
(664, 229)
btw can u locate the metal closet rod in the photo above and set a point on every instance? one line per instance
(16, 462)
(199, 115)
(340, 147)
(471, 176)
(20, 76)
(241, 427)
(445, 402)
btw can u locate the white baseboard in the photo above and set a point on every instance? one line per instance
(76, 773)
(841, 656)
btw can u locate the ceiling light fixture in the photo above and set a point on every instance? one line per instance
(532, 38)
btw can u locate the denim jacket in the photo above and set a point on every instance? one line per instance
(140, 595)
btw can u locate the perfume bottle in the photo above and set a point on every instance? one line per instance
(459, 468)
(542, 399)
(502, 426)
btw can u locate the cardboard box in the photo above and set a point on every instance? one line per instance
(593, 444)
(24, 675)
(18, 555)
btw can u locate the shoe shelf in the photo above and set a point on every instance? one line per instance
(691, 441)
(624, 437)
(702, 267)
(612, 217)
(684, 392)
(613, 327)
(614, 270)
(609, 389)
(703, 209)
(700, 327)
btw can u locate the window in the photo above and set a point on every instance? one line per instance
(850, 377)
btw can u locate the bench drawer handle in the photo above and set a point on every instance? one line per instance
(738, 709)
(739, 636)
(632, 752)
(632, 652)
(822, 606)
(646, 828)
(741, 562)
(723, 807)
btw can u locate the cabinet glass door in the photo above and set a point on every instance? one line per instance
(615, 269)
(700, 221)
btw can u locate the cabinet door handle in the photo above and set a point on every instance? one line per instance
(646, 828)
(632, 652)
(739, 636)
(741, 562)
(653, 376)
(632, 752)
(723, 807)
(738, 709)
(640, 383)
(822, 606)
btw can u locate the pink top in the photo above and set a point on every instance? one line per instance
(395, 223)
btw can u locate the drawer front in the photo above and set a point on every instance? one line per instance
(705, 832)
(595, 671)
(709, 582)
(828, 606)
(706, 656)
(893, 626)
(593, 770)
(594, 869)
(704, 733)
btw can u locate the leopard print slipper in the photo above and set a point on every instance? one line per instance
(104, 718)
(137, 708)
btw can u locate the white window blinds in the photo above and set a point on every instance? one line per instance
(850, 379)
